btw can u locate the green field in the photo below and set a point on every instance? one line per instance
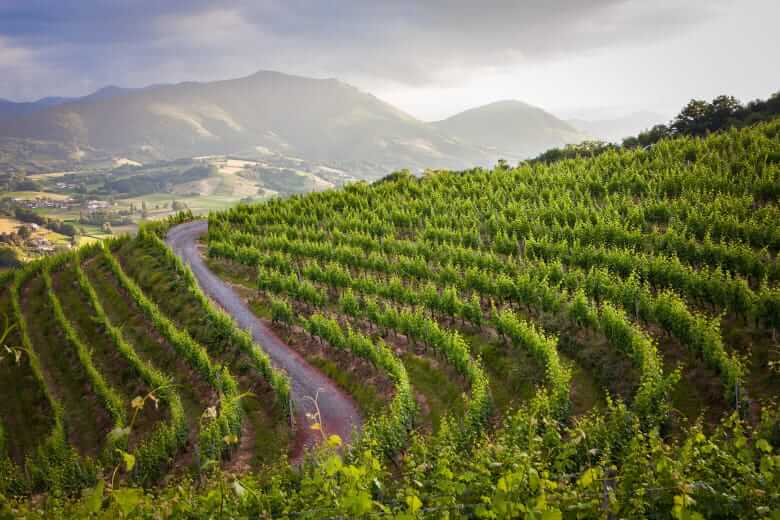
(32, 195)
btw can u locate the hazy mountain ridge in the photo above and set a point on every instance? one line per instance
(616, 129)
(323, 120)
(513, 129)
(11, 109)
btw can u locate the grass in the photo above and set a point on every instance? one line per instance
(71, 215)
(199, 204)
(513, 374)
(271, 431)
(46, 176)
(586, 394)
(232, 271)
(87, 422)
(32, 195)
(758, 348)
(52, 236)
(440, 395)
(24, 410)
(600, 361)
(365, 396)
(9, 224)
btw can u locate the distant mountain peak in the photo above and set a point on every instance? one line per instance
(319, 119)
(513, 128)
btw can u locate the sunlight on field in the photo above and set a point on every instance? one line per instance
(9, 225)
(195, 204)
(33, 195)
(46, 176)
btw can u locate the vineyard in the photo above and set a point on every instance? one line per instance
(591, 338)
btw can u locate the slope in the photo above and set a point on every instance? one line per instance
(510, 129)
(319, 119)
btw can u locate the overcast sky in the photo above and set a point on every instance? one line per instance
(431, 58)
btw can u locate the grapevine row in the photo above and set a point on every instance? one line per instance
(216, 426)
(154, 454)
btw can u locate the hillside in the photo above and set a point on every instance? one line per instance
(319, 120)
(518, 340)
(13, 109)
(316, 120)
(510, 129)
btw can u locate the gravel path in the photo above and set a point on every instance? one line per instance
(338, 410)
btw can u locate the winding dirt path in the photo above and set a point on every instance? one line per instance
(338, 410)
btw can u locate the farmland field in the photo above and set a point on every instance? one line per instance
(594, 338)
(9, 225)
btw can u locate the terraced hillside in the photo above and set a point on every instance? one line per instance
(596, 338)
(110, 373)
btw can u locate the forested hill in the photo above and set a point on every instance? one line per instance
(698, 118)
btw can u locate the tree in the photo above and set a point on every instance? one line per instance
(692, 118)
(699, 118)
(25, 232)
(723, 111)
(9, 256)
(647, 137)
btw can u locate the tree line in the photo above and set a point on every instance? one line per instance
(697, 118)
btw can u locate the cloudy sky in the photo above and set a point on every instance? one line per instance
(429, 57)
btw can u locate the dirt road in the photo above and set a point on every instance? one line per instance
(338, 410)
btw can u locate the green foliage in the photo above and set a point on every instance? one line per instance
(154, 454)
(697, 118)
(54, 466)
(544, 349)
(112, 401)
(640, 253)
(386, 432)
(221, 325)
(217, 426)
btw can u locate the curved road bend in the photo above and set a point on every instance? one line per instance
(338, 410)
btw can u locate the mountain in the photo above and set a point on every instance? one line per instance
(317, 119)
(323, 121)
(12, 109)
(510, 129)
(614, 130)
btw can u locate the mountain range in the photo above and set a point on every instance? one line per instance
(322, 120)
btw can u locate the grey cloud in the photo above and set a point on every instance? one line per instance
(413, 42)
